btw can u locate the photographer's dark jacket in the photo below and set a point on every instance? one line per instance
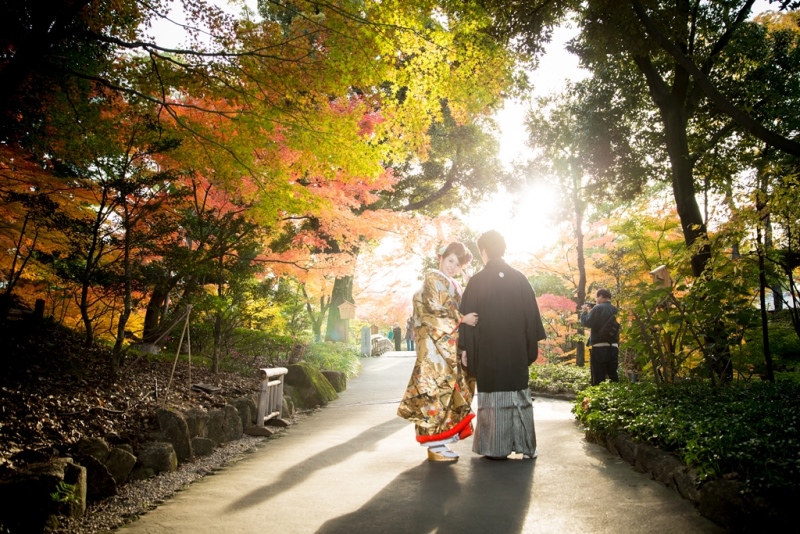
(596, 318)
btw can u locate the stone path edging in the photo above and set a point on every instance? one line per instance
(550, 395)
(721, 500)
(724, 501)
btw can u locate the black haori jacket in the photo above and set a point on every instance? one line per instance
(506, 340)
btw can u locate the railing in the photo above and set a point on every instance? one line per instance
(380, 344)
(270, 398)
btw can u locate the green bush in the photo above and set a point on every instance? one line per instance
(783, 340)
(747, 428)
(241, 351)
(256, 348)
(788, 376)
(558, 378)
(334, 356)
(784, 346)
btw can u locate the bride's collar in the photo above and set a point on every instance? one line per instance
(453, 281)
(442, 273)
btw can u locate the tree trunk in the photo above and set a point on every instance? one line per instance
(153, 315)
(342, 291)
(316, 319)
(735, 248)
(116, 353)
(88, 338)
(683, 189)
(217, 339)
(580, 350)
(316, 329)
(218, 316)
(777, 290)
(13, 276)
(762, 287)
(694, 227)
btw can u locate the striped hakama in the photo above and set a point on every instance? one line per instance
(504, 424)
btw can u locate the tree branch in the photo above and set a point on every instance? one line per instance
(727, 35)
(719, 134)
(447, 186)
(744, 120)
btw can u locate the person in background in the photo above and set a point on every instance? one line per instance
(499, 350)
(439, 394)
(410, 333)
(397, 336)
(604, 359)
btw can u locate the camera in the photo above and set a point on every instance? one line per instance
(588, 305)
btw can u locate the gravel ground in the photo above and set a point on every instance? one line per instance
(137, 498)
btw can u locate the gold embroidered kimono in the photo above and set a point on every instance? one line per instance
(438, 397)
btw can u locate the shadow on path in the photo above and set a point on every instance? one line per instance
(474, 495)
(322, 460)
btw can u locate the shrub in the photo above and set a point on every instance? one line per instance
(256, 348)
(784, 346)
(790, 376)
(748, 429)
(334, 356)
(558, 378)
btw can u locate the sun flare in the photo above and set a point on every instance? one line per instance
(527, 220)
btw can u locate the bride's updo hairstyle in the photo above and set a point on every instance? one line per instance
(462, 253)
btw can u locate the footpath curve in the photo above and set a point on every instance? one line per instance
(354, 467)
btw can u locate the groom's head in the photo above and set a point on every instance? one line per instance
(492, 244)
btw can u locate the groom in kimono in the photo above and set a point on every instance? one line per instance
(498, 351)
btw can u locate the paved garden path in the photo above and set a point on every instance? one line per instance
(354, 467)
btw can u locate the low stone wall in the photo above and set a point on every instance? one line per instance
(93, 469)
(43, 490)
(34, 496)
(724, 501)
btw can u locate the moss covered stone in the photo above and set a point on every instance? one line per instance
(337, 379)
(310, 388)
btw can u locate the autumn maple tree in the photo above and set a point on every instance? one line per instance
(300, 115)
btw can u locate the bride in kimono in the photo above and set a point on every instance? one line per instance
(438, 397)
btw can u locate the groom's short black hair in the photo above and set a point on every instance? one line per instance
(493, 244)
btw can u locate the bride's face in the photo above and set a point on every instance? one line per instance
(450, 265)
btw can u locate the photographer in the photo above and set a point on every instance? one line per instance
(604, 358)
